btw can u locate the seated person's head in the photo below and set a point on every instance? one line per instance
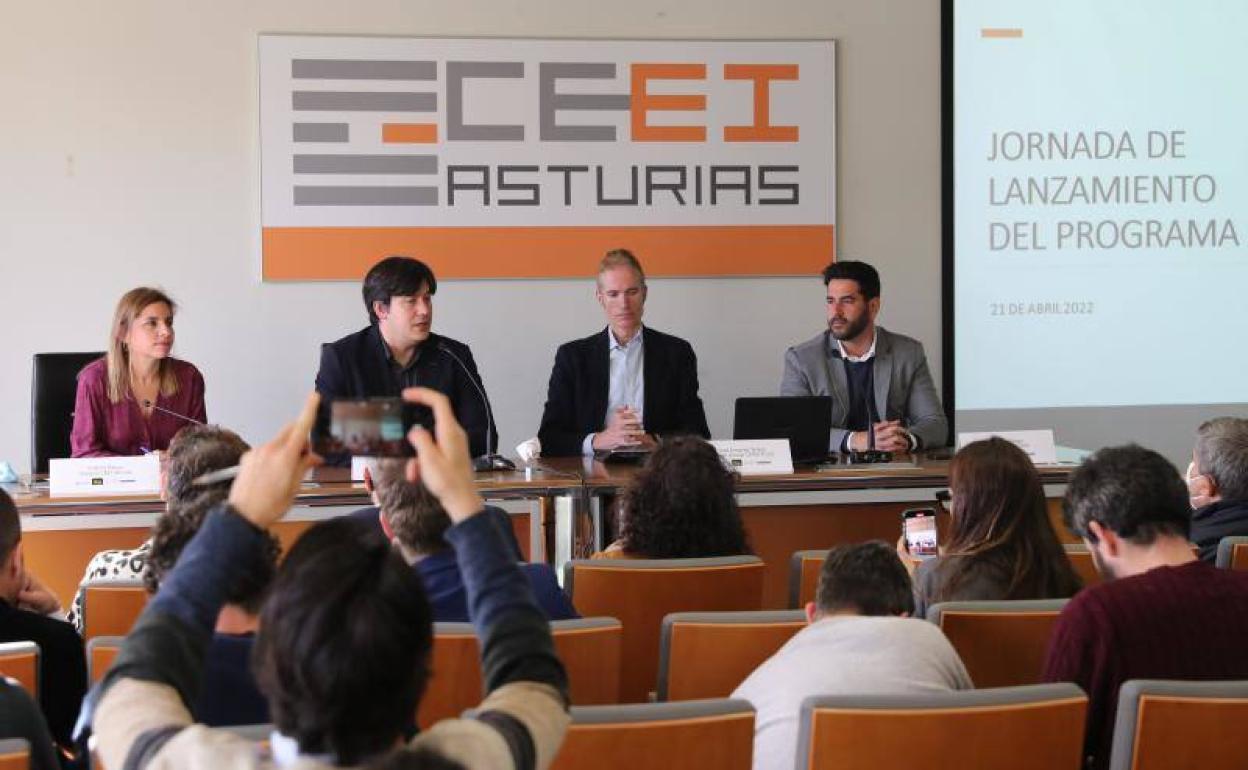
(175, 528)
(342, 654)
(413, 515)
(682, 504)
(194, 451)
(1219, 469)
(1125, 501)
(12, 570)
(1000, 519)
(862, 579)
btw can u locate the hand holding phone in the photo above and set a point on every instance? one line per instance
(918, 525)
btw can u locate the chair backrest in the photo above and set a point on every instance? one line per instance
(1233, 552)
(1081, 560)
(101, 651)
(691, 735)
(1167, 724)
(641, 592)
(1039, 727)
(53, 389)
(110, 609)
(804, 567)
(20, 661)
(1002, 643)
(707, 654)
(590, 649)
(14, 754)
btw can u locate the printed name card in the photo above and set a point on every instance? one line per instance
(756, 457)
(1038, 444)
(104, 475)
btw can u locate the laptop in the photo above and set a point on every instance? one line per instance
(805, 421)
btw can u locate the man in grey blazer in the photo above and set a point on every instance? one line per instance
(875, 377)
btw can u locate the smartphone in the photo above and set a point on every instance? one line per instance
(919, 527)
(370, 427)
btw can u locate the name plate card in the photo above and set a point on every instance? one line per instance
(1038, 444)
(756, 457)
(104, 476)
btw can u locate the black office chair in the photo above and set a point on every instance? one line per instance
(53, 387)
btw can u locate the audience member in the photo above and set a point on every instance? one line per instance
(229, 695)
(30, 612)
(196, 450)
(1001, 544)
(416, 523)
(1217, 483)
(860, 641)
(21, 718)
(682, 504)
(1162, 614)
(342, 653)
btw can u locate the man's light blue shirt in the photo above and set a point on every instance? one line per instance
(628, 381)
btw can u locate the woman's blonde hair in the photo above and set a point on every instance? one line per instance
(118, 356)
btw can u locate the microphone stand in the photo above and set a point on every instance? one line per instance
(490, 461)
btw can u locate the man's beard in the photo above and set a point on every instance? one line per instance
(851, 330)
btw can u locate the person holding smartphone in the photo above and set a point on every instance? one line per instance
(1000, 544)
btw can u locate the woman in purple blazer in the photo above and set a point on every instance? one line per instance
(134, 399)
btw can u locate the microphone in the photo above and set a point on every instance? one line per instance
(489, 461)
(149, 405)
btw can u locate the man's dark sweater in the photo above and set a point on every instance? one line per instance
(1216, 521)
(62, 665)
(1187, 622)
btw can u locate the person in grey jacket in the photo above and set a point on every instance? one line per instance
(875, 378)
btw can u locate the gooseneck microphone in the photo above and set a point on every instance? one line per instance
(489, 461)
(147, 404)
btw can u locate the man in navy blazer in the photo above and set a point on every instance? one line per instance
(626, 385)
(398, 350)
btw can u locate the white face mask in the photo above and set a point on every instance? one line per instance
(1196, 501)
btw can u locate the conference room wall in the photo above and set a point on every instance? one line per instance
(130, 156)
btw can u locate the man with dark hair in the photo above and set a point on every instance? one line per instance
(860, 641)
(29, 612)
(398, 349)
(414, 520)
(1217, 483)
(625, 385)
(876, 378)
(1162, 614)
(343, 648)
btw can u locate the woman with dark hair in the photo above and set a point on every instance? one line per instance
(682, 504)
(1001, 544)
(132, 400)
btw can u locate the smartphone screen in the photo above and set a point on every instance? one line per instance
(919, 527)
(373, 427)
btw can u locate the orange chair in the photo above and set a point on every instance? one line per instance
(1233, 552)
(1022, 728)
(804, 567)
(110, 609)
(641, 592)
(1166, 724)
(589, 648)
(14, 754)
(1001, 643)
(101, 651)
(707, 654)
(20, 661)
(690, 735)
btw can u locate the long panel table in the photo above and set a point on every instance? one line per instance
(559, 517)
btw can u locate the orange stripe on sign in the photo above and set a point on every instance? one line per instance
(409, 133)
(346, 253)
(1000, 32)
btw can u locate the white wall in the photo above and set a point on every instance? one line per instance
(128, 155)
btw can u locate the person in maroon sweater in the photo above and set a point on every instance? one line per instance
(1162, 613)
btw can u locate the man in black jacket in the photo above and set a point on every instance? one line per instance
(625, 385)
(399, 350)
(1217, 483)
